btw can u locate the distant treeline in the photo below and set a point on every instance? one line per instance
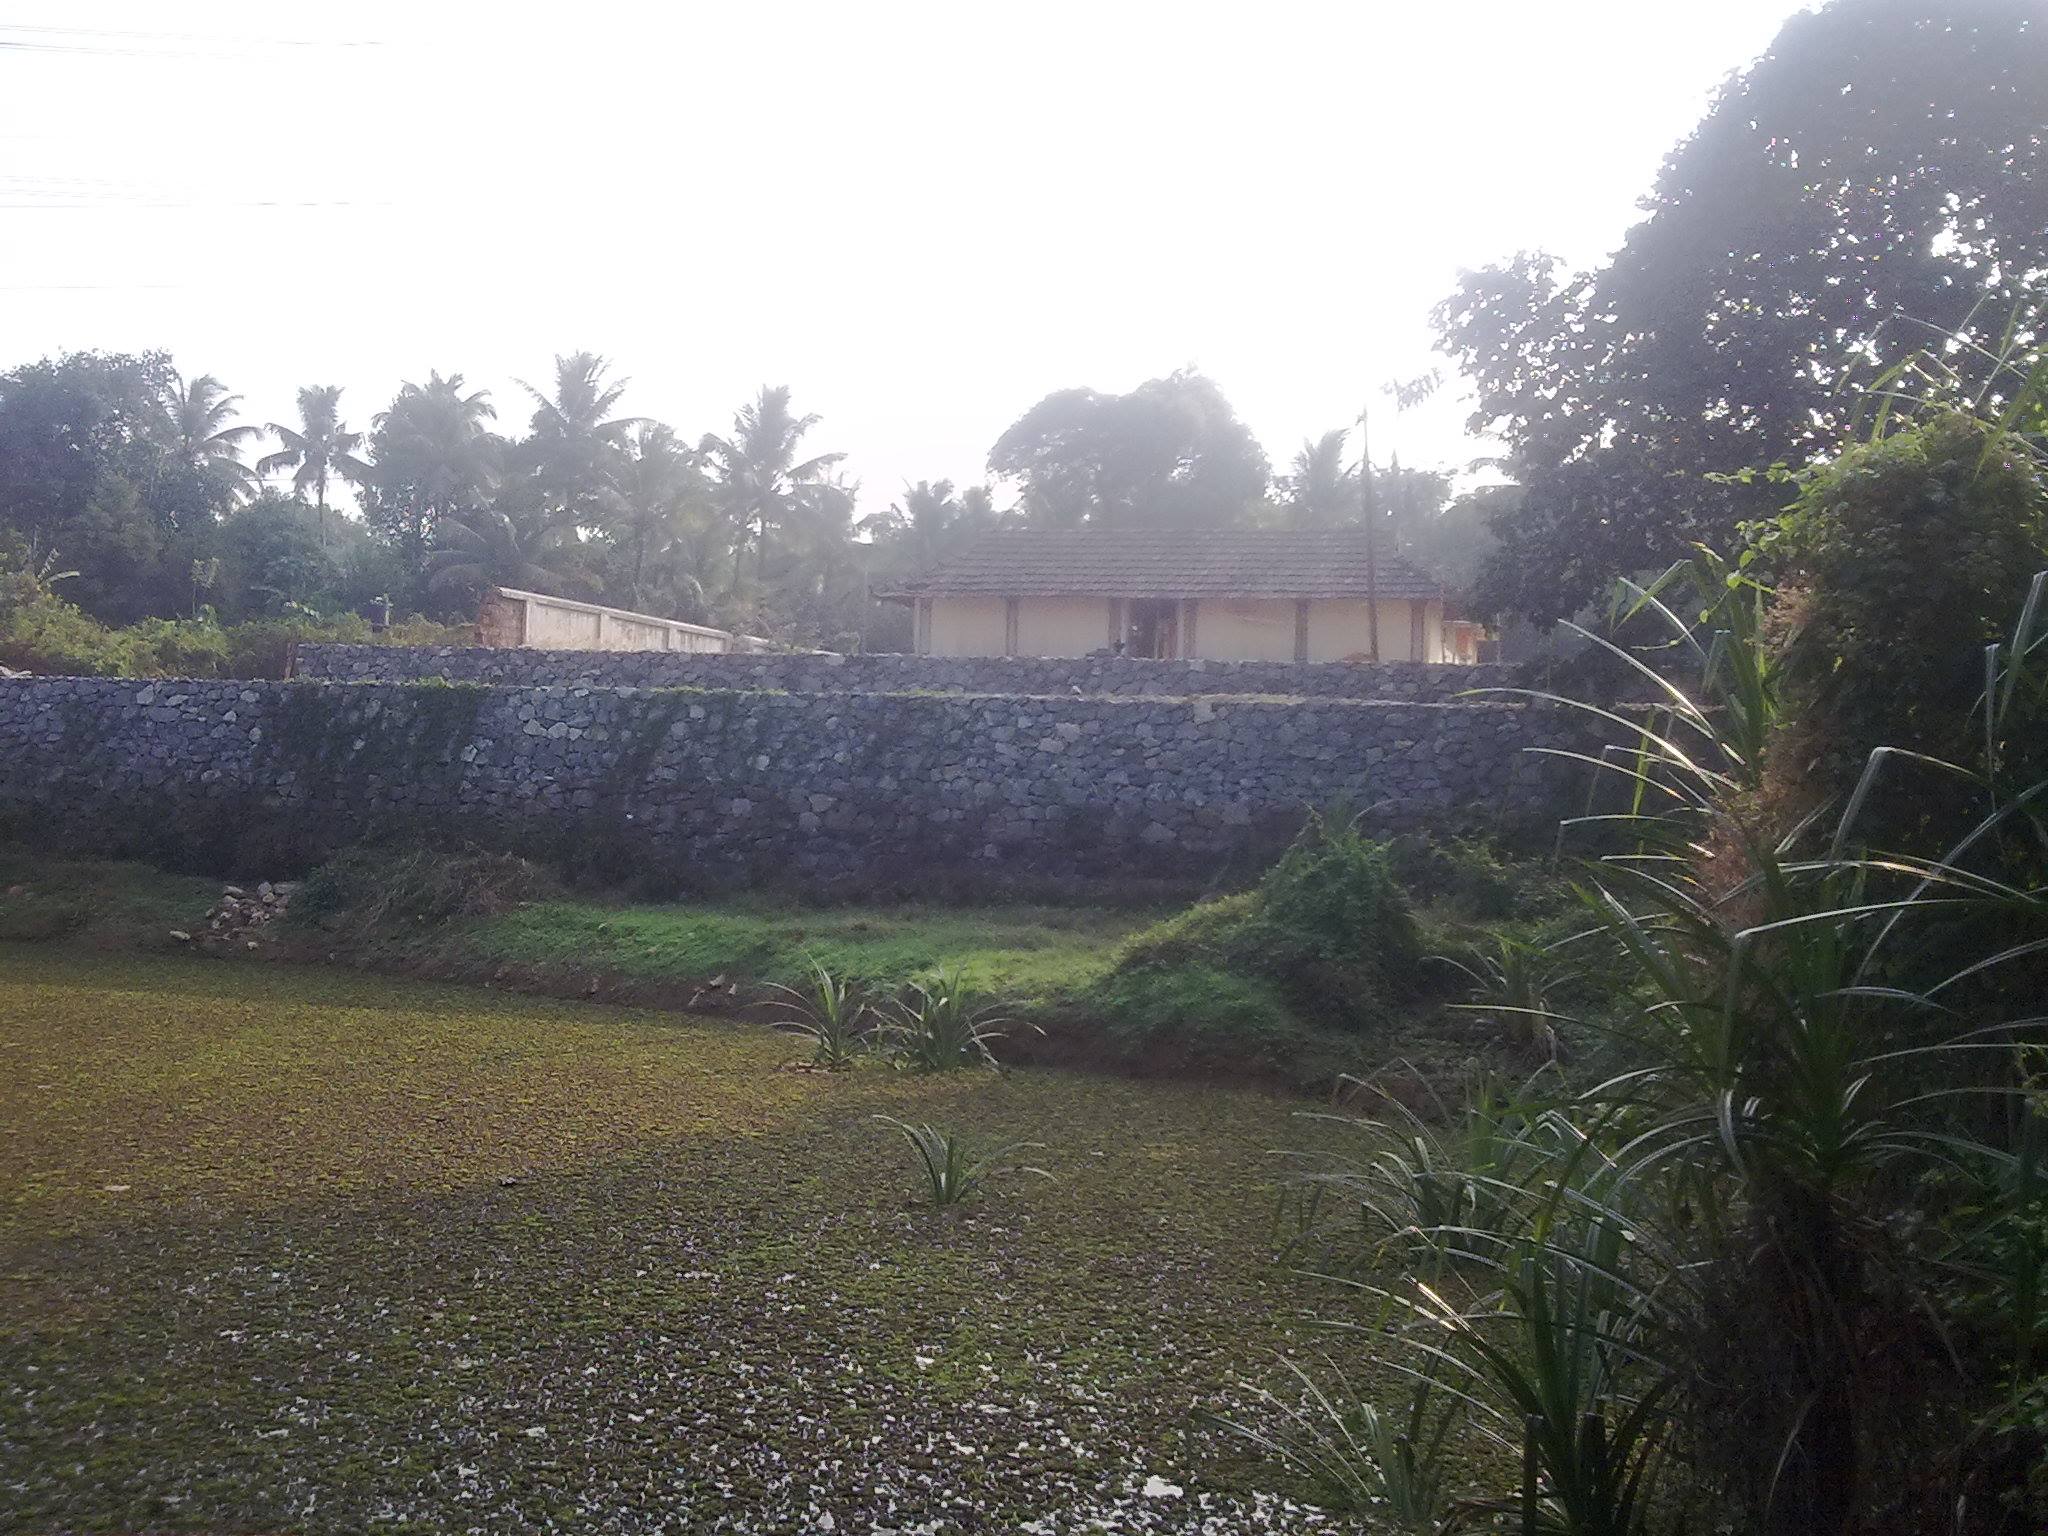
(136, 493)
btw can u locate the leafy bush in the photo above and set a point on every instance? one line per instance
(1475, 878)
(1903, 559)
(41, 632)
(1725, 1277)
(1328, 930)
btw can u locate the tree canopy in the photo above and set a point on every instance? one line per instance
(163, 501)
(1171, 453)
(1873, 180)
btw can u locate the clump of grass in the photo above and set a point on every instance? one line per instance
(951, 1173)
(377, 887)
(941, 1025)
(1417, 1188)
(1328, 929)
(831, 1013)
(97, 901)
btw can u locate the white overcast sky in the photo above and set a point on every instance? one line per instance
(921, 217)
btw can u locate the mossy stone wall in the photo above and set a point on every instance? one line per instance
(723, 786)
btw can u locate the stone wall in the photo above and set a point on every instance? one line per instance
(1114, 676)
(714, 787)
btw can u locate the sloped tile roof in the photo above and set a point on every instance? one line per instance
(1160, 562)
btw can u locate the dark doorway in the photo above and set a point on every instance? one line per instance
(1154, 627)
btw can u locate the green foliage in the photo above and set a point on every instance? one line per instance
(1513, 984)
(1879, 161)
(1197, 1000)
(1475, 878)
(942, 1024)
(80, 439)
(42, 631)
(831, 1013)
(1421, 1188)
(1356, 1457)
(1699, 1279)
(434, 459)
(1170, 453)
(378, 887)
(1328, 929)
(953, 1174)
(1029, 953)
(1907, 556)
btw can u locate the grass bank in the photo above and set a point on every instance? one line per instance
(1032, 954)
(1321, 971)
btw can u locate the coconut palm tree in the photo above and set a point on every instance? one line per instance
(321, 446)
(659, 489)
(204, 438)
(1319, 491)
(764, 486)
(577, 444)
(930, 520)
(433, 458)
(483, 547)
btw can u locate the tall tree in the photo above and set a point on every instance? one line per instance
(319, 447)
(81, 438)
(1877, 177)
(205, 440)
(928, 521)
(576, 442)
(433, 458)
(1171, 453)
(276, 559)
(1320, 490)
(817, 592)
(766, 488)
(483, 547)
(660, 491)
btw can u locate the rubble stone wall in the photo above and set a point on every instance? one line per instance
(720, 787)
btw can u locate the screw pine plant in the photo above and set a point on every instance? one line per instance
(1511, 984)
(951, 1173)
(1358, 1458)
(941, 1025)
(831, 1013)
(1695, 1286)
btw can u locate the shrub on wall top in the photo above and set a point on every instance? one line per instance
(42, 632)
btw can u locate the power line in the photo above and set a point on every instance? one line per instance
(123, 40)
(92, 287)
(118, 205)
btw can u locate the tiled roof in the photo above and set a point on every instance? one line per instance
(1160, 562)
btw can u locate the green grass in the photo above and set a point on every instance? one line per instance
(99, 901)
(1179, 993)
(293, 1248)
(1026, 953)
